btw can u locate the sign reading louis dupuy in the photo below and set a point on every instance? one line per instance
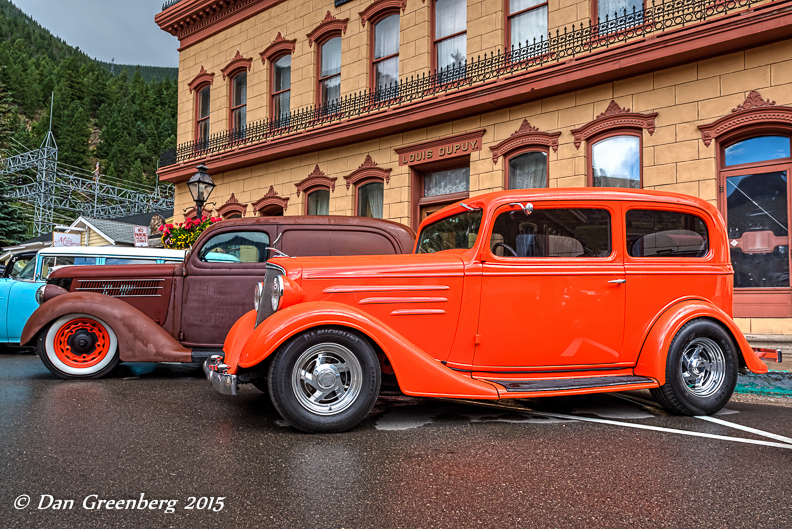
(141, 236)
(65, 240)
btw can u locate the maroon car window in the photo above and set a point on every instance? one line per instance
(552, 233)
(335, 242)
(236, 247)
(656, 233)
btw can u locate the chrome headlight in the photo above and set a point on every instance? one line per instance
(40, 294)
(277, 293)
(258, 292)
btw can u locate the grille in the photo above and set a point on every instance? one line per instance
(123, 288)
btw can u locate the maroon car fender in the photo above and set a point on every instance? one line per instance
(139, 338)
(654, 353)
(417, 372)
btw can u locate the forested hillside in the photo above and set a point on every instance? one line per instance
(123, 120)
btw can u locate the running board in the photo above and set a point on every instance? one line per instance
(562, 384)
(201, 355)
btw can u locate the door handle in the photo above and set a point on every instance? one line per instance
(617, 281)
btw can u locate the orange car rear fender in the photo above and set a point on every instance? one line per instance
(418, 373)
(654, 353)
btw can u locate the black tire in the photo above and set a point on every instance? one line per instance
(53, 357)
(708, 338)
(289, 390)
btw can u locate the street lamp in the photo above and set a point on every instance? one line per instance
(201, 186)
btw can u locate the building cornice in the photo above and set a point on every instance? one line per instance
(192, 21)
(270, 199)
(278, 47)
(755, 110)
(203, 77)
(380, 6)
(237, 63)
(329, 25)
(368, 169)
(735, 32)
(524, 136)
(316, 179)
(232, 205)
(614, 117)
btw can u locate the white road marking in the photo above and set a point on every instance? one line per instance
(745, 428)
(661, 429)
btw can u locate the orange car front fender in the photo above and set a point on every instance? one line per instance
(654, 353)
(418, 373)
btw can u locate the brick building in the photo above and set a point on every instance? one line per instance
(394, 108)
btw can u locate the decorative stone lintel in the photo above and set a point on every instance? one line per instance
(369, 169)
(237, 63)
(316, 179)
(330, 24)
(378, 7)
(754, 111)
(525, 135)
(271, 199)
(232, 206)
(614, 117)
(278, 47)
(202, 77)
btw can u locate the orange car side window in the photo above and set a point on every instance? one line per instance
(555, 233)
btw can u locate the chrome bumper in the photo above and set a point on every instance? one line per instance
(216, 373)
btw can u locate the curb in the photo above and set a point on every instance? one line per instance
(773, 383)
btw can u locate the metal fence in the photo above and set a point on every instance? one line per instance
(170, 3)
(654, 18)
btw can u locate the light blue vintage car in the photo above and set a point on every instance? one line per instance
(18, 293)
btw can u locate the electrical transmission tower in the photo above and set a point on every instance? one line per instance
(71, 189)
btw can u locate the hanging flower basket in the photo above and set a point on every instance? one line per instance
(182, 236)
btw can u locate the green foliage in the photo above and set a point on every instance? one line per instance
(12, 225)
(123, 121)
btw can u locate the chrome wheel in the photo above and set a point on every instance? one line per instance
(327, 379)
(703, 367)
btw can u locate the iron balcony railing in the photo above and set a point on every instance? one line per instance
(170, 3)
(655, 18)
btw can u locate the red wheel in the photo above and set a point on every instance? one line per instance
(79, 346)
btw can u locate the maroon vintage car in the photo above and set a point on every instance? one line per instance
(93, 317)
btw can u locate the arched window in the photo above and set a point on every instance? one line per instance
(527, 170)
(317, 201)
(615, 160)
(232, 216)
(385, 52)
(239, 102)
(754, 162)
(755, 175)
(329, 89)
(202, 111)
(614, 146)
(370, 199)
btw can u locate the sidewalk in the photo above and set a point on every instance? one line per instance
(776, 383)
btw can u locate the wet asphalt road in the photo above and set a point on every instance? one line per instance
(160, 431)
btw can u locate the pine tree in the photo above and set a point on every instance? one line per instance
(12, 225)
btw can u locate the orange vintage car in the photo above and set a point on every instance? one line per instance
(516, 294)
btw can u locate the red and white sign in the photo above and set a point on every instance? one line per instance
(65, 240)
(141, 236)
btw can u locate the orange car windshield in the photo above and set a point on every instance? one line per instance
(451, 233)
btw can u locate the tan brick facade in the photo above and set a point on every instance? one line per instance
(674, 157)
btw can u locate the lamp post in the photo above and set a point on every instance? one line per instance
(201, 186)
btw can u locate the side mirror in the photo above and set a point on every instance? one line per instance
(527, 207)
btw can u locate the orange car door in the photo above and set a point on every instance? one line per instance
(553, 290)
